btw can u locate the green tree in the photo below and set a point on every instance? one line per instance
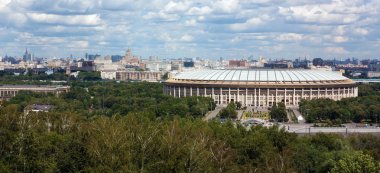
(355, 162)
(238, 105)
(229, 111)
(279, 112)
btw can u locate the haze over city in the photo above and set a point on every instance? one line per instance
(207, 29)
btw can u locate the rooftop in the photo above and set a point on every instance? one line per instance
(261, 75)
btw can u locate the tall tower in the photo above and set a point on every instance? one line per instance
(128, 54)
(25, 57)
(68, 68)
(127, 57)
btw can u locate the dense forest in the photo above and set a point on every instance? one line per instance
(105, 126)
(365, 108)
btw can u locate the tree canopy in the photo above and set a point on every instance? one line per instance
(278, 112)
(134, 127)
(365, 108)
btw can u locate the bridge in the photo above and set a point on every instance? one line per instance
(366, 80)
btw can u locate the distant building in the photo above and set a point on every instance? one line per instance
(324, 68)
(12, 60)
(85, 66)
(116, 58)
(176, 66)
(318, 62)
(158, 66)
(8, 91)
(138, 75)
(55, 63)
(108, 74)
(374, 67)
(329, 62)
(99, 62)
(279, 64)
(68, 65)
(188, 64)
(365, 62)
(27, 57)
(373, 74)
(305, 64)
(238, 64)
(129, 59)
(92, 57)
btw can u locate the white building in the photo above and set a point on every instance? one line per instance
(261, 87)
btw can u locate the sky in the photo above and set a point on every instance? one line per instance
(232, 29)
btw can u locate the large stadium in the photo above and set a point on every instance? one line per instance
(261, 87)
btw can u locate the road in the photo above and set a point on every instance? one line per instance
(299, 116)
(213, 113)
(308, 129)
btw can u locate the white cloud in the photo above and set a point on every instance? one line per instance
(341, 30)
(10, 17)
(250, 23)
(31, 39)
(336, 50)
(316, 14)
(204, 25)
(115, 4)
(227, 6)
(90, 20)
(199, 10)
(340, 39)
(80, 44)
(187, 38)
(361, 31)
(245, 37)
(165, 37)
(201, 18)
(290, 37)
(161, 16)
(177, 6)
(276, 48)
(191, 22)
(4, 4)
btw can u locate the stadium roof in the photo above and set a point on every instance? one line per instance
(261, 75)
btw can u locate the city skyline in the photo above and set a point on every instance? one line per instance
(207, 29)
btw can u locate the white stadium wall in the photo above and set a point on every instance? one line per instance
(261, 87)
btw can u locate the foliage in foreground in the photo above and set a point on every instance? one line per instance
(67, 142)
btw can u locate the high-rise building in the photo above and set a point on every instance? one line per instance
(68, 66)
(318, 62)
(129, 59)
(27, 56)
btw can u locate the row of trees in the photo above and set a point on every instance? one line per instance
(68, 142)
(43, 78)
(365, 108)
(91, 99)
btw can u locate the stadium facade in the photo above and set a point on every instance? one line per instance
(261, 87)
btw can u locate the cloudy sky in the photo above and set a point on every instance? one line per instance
(191, 28)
